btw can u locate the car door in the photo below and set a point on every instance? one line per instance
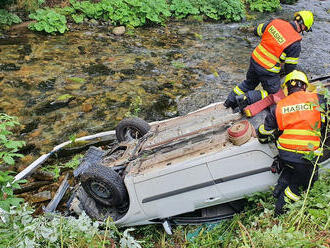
(175, 190)
(242, 170)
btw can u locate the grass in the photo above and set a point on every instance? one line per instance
(256, 226)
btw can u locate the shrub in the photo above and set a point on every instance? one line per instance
(8, 147)
(231, 10)
(7, 19)
(264, 5)
(88, 9)
(49, 21)
(135, 13)
(182, 8)
(7, 197)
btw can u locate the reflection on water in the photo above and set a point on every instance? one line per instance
(86, 81)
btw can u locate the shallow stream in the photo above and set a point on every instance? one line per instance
(87, 80)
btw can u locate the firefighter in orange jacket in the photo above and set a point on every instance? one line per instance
(280, 43)
(300, 123)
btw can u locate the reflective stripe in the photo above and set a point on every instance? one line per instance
(275, 69)
(268, 54)
(283, 56)
(301, 132)
(263, 94)
(291, 195)
(291, 60)
(259, 29)
(316, 152)
(263, 60)
(298, 142)
(262, 130)
(238, 91)
(322, 117)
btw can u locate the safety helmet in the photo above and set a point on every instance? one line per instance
(306, 17)
(295, 78)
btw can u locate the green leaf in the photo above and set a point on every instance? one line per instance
(8, 160)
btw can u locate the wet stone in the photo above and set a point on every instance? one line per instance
(47, 85)
(31, 102)
(51, 106)
(82, 50)
(98, 69)
(43, 175)
(166, 86)
(119, 30)
(128, 71)
(25, 50)
(18, 84)
(41, 197)
(9, 67)
(30, 126)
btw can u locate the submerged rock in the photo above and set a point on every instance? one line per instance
(9, 67)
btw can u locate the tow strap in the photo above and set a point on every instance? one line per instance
(271, 99)
(260, 105)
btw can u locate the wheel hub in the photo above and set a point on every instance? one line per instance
(100, 189)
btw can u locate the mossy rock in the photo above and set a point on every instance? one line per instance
(76, 80)
(64, 97)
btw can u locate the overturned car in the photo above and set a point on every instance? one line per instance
(189, 169)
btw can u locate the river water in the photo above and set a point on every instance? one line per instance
(87, 80)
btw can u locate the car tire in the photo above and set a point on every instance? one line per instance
(132, 128)
(104, 185)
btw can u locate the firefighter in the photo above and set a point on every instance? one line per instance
(298, 124)
(280, 44)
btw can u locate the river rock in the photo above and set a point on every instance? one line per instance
(119, 30)
(41, 196)
(43, 175)
(86, 107)
(184, 30)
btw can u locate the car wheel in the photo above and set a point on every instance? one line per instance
(133, 128)
(104, 185)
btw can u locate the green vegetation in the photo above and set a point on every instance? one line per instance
(7, 19)
(134, 107)
(7, 197)
(264, 5)
(8, 147)
(57, 168)
(178, 64)
(134, 13)
(49, 21)
(256, 226)
(18, 228)
(8, 151)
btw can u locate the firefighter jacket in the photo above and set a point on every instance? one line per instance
(299, 120)
(297, 125)
(280, 43)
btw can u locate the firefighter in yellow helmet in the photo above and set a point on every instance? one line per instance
(298, 125)
(280, 44)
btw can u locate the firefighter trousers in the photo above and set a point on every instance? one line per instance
(256, 74)
(294, 178)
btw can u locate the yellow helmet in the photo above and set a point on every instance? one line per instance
(294, 77)
(306, 17)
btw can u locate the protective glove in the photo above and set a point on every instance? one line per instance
(276, 166)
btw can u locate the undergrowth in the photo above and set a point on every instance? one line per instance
(256, 226)
(57, 168)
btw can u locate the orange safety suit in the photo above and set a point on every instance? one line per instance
(300, 120)
(278, 35)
